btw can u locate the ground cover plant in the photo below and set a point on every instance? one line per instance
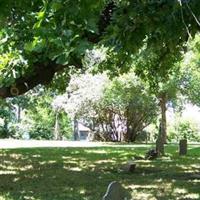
(84, 173)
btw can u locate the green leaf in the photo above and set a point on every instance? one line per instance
(82, 46)
(63, 58)
(28, 46)
(56, 6)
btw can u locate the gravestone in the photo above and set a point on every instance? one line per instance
(183, 147)
(129, 167)
(195, 176)
(151, 154)
(115, 192)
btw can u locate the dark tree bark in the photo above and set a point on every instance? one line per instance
(19, 113)
(76, 135)
(44, 73)
(57, 128)
(162, 135)
(160, 148)
(163, 123)
(183, 147)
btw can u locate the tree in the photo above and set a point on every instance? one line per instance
(37, 118)
(47, 37)
(131, 100)
(190, 72)
(183, 82)
(44, 122)
(7, 115)
(160, 70)
(115, 110)
(82, 98)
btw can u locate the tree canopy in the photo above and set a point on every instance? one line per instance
(42, 40)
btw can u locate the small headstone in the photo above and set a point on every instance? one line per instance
(115, 192)
(183, 147)
(129, 167)
(195, 176)
(151, 154)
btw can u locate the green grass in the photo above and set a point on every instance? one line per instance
(84, 173)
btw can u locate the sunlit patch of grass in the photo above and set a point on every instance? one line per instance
(84, 173)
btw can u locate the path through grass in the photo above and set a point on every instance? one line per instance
(84, 173)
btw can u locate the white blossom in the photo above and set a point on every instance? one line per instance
(82, 93)
(2, 122)
(95, 56)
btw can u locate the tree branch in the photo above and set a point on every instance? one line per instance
(43, 74)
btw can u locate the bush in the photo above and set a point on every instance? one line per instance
(3, 132)
(184, 130)
(39, 132)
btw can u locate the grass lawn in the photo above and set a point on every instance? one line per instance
(84, 173)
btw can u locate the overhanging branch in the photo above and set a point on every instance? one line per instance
(44, 73)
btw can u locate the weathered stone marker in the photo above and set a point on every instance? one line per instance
(129, 167)
(151, 154)
(195, 176)
(115, 192)
(183, 147)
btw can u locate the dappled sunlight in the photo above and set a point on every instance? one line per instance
(16, 179)
(143, 186)
(26, 167)
(192, 196)
(47, 162)
(76, 169)
(26, 197)
(17, 156)
(180, 191)
(71, 162)
(197, 166)
(7, 172)
(166, 159)
(7, 166)
(138, 195)
(104, 161)
(96, 151)
(66, 157)
(72, 173)
(36, 156)
(194, 181)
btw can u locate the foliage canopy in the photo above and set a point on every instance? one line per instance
(41, 38)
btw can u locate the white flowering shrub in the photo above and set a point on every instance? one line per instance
(84, 92)
(117, 110)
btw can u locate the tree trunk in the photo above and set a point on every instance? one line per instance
(131, 134)
(56, 129)
(160, 141)
(183, 147)
(160, 149)
(128, 132)
(163, 123)
(18, 113)
(76, 135)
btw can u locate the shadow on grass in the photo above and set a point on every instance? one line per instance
(84, 174)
